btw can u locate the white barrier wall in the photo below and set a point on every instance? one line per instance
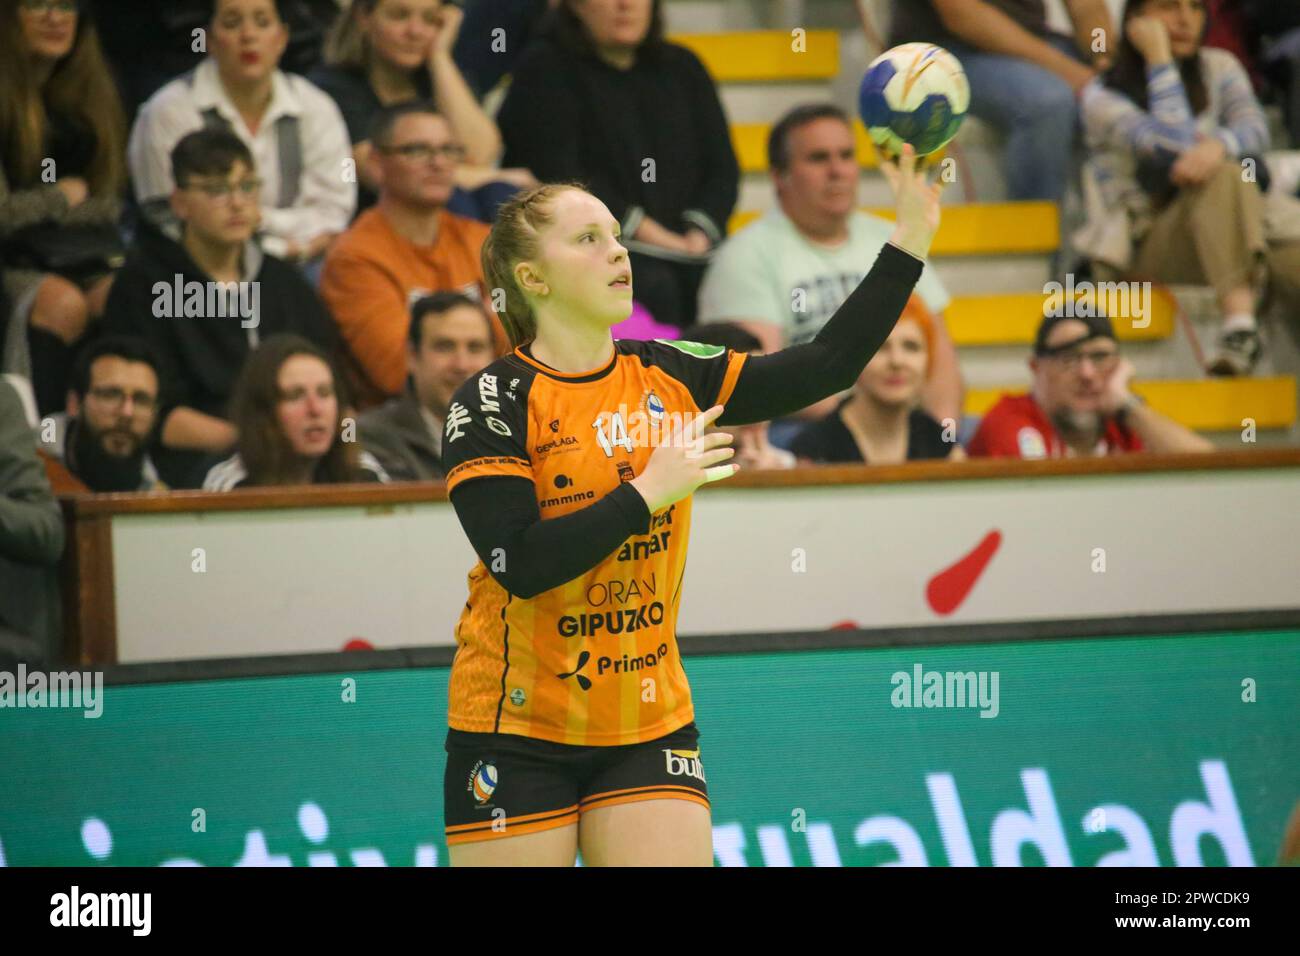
(219, 584)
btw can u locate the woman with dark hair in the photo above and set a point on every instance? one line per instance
(1176, 137)
(289, 412)
(61, 178)
(604, 99)
(387, 52)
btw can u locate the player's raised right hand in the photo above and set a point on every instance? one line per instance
(687, 459)
(916, 202)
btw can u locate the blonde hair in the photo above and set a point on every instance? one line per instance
(514, 237)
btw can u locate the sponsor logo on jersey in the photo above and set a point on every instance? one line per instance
(654, 541)
(517, 697)
(555, 425)
(488, 401)
(457, 419)
(612, 622)
(684, 763)
(482, 782)
(628, 664)
(583, 681)
(566, 443)
(566, 499)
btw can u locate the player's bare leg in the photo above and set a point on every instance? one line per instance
(648, 833)
(558, 847)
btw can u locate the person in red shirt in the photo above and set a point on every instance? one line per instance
(1080, 403)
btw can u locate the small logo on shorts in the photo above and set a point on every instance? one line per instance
(483, 781)
(517, 697)
(684, 763)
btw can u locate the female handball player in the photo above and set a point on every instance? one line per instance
(570, 463)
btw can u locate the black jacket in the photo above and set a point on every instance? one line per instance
(202, 356)
(575, 117)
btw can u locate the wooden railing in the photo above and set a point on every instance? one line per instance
(89, 604)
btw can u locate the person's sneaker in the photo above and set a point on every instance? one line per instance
(1239, 350)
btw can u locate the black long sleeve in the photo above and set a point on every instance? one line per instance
(527, 555)
(781, 383)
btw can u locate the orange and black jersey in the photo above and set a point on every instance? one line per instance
(569, 633)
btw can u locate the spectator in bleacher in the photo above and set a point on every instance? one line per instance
(405, 248)
(783, 276)
(292, 128)
(450, 340)
(603, 98)
(881, 422)
(289, 411)
(156, 43)
(1168, 198)
(754, 452)
(103, 438)
(386, 52)
(1080, 403)
(1023, 77)
(31, 541)
(61, 180)
(205, 301)
(1277, 27)
(485, 55)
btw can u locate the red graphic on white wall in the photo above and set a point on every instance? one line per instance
(951, 586)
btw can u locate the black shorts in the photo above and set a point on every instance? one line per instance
(500, 785)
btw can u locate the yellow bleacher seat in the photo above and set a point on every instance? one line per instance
(1013, 319)
(979, 229)
(745, 56)
(1209, 404)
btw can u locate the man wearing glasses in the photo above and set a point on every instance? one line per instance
(401, 250)
(112, 408)
(1080, 403)
(205, 301)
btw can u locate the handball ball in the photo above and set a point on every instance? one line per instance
(915, 93)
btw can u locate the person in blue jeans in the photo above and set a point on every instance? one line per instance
(1024, 79)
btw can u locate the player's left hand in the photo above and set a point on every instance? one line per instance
(916, 201)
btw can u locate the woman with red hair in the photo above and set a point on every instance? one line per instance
(882, 422)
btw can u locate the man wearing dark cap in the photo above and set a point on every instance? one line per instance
(1080, 403)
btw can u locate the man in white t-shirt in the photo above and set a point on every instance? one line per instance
(784, 276)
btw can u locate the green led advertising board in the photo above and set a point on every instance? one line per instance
(1177, 750)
